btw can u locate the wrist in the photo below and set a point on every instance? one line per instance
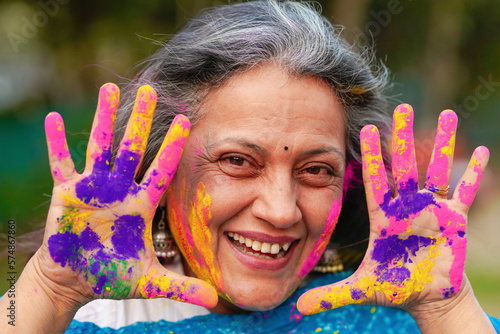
(42, 305)
(40, 278)
(460, 313)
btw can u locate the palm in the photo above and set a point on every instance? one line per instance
(98, 234)
(105, 249)
(417, 242)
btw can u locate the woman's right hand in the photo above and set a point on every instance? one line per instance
(97, 241)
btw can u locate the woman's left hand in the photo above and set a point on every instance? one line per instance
(416, 253)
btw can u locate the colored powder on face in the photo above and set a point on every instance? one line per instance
(199, 221)
(351, 178)
(189, 220)
(128, 236)
(323, 240)
(409, 201)
(105, 188)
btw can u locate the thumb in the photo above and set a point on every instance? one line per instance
(328, 297)
(160, 282)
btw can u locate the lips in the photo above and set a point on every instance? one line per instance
(259, 251)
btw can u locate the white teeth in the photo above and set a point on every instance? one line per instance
(266, 247)
(256, 245)
(248, 242)
(262, 247)
(275, 249)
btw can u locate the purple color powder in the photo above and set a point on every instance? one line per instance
(65, 249)
(90, 240)
(357, 294)
(448, 292)
(127, 238)
(326, 305)
(106, 187)
(94, 268)
(396, 275)
(100, 283)
(392, 248)
(409, 201)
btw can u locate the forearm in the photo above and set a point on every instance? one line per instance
(37, 307)
(461, 314)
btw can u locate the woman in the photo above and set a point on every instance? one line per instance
(280, 111)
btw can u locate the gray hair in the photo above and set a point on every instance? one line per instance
(225, 40)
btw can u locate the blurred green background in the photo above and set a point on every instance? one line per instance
(55, 54)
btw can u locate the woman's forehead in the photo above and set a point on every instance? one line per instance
(268, 102)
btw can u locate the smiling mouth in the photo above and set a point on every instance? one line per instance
(262, 250)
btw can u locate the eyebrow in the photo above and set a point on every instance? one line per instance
(324, 150)
(241, 142)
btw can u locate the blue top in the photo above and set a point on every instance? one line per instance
(282, 319)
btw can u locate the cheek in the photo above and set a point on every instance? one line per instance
(324, 238)
(189, 219)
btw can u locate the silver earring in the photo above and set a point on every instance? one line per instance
(330, 261)
(163, 242)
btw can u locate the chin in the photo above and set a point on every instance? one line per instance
(259, 295)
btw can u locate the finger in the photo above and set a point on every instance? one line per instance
(163, 168)
(468, 184)
(439, 170)
(374, 175)
(335, 295)
(404, 166)
(134, 142)
(61, 164)
(101, 136)
(161, 282)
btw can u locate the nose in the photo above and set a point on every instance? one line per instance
(276, 202)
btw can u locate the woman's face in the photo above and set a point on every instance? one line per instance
(258, 189)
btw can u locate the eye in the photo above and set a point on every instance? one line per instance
(236, 161)
(317, 175)
(238, 166)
